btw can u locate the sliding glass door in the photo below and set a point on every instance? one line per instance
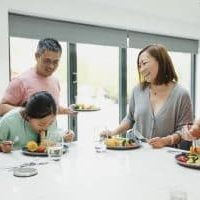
(97, 84)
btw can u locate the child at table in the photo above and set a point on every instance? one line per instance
(28, 123)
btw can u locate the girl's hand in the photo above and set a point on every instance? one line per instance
(69, 136)
(6, 146)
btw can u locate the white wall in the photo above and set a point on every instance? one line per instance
(4, 60)
(153, 16)
(142, 15)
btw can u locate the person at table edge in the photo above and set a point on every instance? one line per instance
(29, 123)
(159, 106)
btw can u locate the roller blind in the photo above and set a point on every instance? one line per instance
(140, 40)
(36, 28)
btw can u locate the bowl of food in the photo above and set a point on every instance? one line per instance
(85, 107)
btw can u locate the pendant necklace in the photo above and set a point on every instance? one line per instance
(153, 92)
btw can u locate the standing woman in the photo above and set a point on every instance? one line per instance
(159, 106)
(22, 125)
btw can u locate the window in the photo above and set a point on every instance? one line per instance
(132, 72)
(97, 83)
(97, 66)
(182, 64)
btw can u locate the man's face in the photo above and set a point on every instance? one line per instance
(47, 62)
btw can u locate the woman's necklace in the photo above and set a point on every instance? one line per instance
(153, 92)
(159, 90)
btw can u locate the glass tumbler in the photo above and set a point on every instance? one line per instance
(55, 146)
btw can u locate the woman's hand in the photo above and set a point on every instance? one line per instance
(69, 136)
(158, 142)
(106, 133)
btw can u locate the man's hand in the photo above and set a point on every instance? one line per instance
(69, 111)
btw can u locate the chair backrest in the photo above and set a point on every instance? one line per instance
(185, 145)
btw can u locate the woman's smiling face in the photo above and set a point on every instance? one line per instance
(148, 67)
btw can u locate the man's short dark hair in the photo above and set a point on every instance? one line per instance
(49, 44)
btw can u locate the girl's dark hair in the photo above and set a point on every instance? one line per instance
(166, 71)
(40, 105)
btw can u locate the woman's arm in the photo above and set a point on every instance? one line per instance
(159, 142)
(122, 128)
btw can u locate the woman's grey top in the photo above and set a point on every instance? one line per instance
(176, 111)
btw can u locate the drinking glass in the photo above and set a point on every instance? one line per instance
(177, 193)
(55, 145)
(100, 145)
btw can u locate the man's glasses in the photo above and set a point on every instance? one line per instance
(50, 62)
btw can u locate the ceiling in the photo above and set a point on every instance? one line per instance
(183, 10)
(179, 18)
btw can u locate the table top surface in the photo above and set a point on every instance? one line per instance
(82, 173)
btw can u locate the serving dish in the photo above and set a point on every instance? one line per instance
(188, 160)
(85, 107)
(121, 144)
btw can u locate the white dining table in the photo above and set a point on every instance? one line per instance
(82, 173)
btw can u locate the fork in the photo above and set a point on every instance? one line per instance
(195, 145)
(26, 164)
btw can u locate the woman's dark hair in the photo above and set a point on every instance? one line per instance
(40, 105)
(166, 71)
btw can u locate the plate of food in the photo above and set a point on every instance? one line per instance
(191, 160)
(33, 149)
(85, 107)
(121, 143)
